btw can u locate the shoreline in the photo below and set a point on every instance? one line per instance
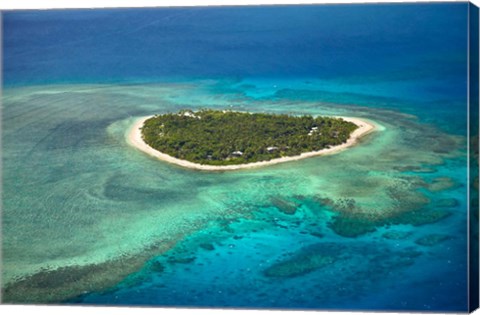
(134, 138)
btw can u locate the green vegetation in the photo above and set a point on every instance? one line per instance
(225, 137)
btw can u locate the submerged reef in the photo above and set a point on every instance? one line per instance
(300, 265)
(49, 286)
(441, 183)
(359, 223)
(396, 235)
(345, 262)
(432, 239)
(447, 203)
(405, 205)
(283, 205)
(305, 261)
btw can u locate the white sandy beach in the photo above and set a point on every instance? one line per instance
(134, 138)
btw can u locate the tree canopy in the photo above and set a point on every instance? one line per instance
(216, 137)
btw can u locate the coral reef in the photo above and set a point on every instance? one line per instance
(442, 183)
(396, 235)
(283, 205)
(432, 239)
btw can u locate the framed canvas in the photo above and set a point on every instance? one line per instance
(292, 157)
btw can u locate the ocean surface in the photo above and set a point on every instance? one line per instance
(87, 219)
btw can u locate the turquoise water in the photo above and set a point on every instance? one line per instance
(87, 219)
(97, 200)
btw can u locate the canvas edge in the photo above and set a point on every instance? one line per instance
(473, 169)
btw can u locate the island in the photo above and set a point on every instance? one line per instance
(228, 140)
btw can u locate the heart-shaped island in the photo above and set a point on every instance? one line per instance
(227, 140)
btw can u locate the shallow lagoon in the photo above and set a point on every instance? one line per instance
(366, 228)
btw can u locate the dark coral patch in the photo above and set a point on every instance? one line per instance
(352, 226)
(447, 203)
(420, 217)
(414, 169)
(432, 239)
(284, 205)
(207, 246)
(181, 260)
(305, 261)
(396, 235)
(442, 183)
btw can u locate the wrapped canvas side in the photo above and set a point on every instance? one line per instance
(474, 142)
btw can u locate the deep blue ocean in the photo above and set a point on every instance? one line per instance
(420, 44)
(403, 65)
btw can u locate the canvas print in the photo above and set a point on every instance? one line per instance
(320, 157)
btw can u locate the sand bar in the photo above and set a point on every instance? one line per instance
(134, 138)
